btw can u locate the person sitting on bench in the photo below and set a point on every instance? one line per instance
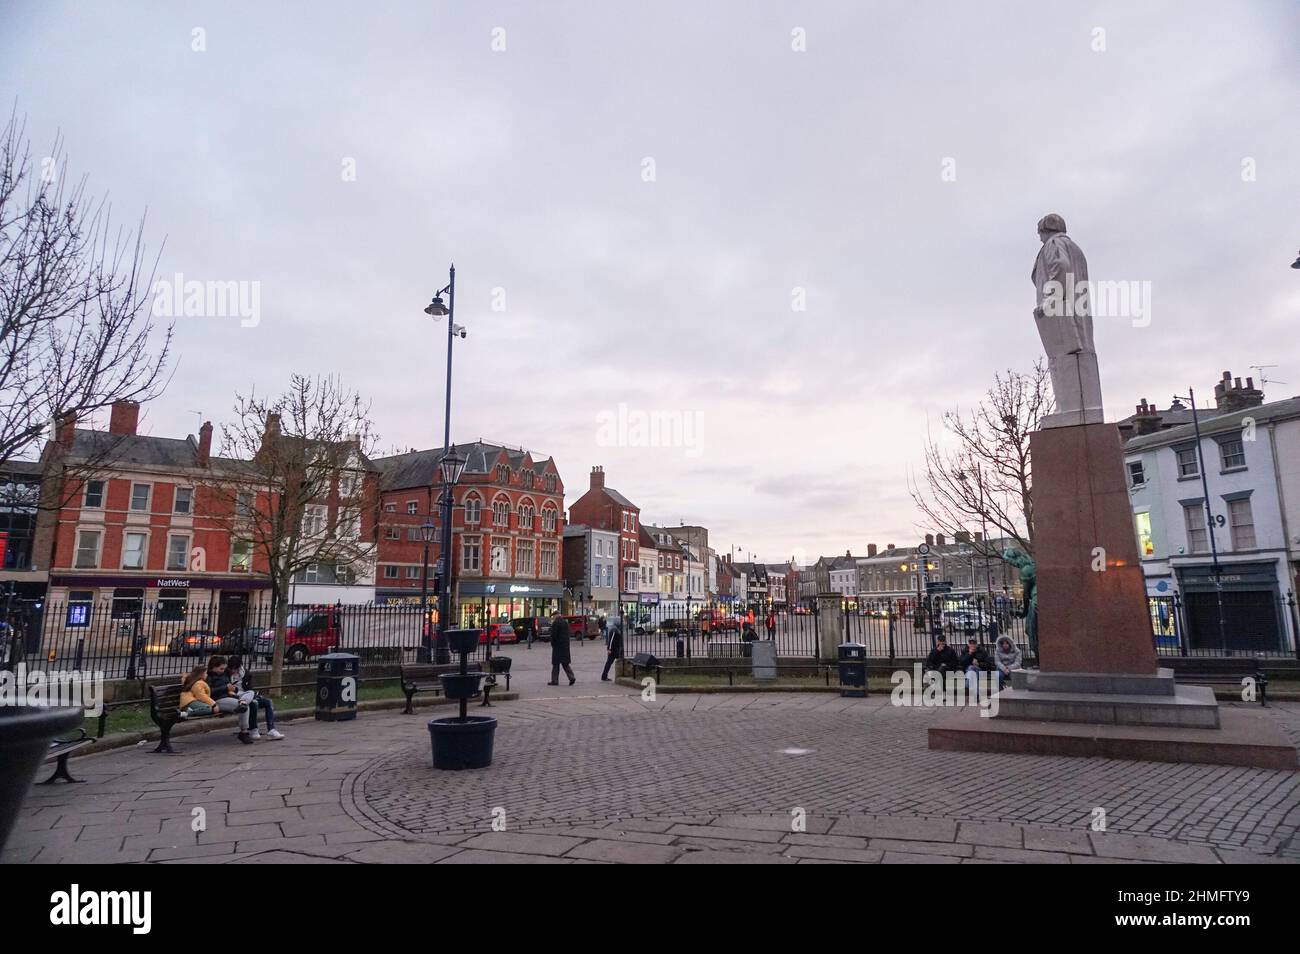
(243, 683)
(228, 698)
(943, 658)
(195, 699)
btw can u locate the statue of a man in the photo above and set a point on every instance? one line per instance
(1063, 314)
(1029, 585)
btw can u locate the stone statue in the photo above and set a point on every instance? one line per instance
(1063, 314)
(1029, 583)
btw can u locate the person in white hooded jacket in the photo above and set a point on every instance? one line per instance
(1007, 656)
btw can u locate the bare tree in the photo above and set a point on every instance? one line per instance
(290, 487)
(75, 328)
(979, 474)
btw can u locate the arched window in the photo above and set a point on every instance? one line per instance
(473, 508)
(548, 519)
(501, 512)
(526, 511)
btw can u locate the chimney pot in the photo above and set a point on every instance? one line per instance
(929, 539)
(871, 549)
(205, 443)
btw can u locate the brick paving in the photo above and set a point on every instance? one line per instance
(602, 777)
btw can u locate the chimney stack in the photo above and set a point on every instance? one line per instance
(938, 540)
(871, 549)
(124, 417)
(205, 443)
(66, 431)
(929, 539)
(1230, 395)
(597, 477)
(979, 537)
(1147, 419)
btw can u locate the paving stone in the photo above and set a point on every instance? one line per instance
(994, 834)
(624, 852)
(400, 852)
(523, 843)
(861, 856)
(907, 858)
(730, 834)
(989, 853)
(907, 829)
(813, 824)
(731, 858)
(923, 847)
(475, 856)
(1151, 849)
(1048, 839)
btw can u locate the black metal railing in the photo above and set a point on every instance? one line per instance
(135, 640)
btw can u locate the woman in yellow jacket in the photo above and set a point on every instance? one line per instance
(195, 699)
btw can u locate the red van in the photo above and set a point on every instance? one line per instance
(307, 633)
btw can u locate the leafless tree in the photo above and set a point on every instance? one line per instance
(979, 474)
(290, 487)
(75, 327)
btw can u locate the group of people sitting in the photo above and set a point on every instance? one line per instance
(225, 686)
(975, 659)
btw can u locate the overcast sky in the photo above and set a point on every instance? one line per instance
(589, 278)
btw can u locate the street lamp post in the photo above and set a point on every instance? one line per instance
(1209, 521)
(426, 534)
(452, 465)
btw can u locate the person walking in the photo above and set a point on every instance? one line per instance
(615, 650)
(560, 650)
(770, 623)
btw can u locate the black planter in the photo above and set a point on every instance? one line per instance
(456, 686)
(463, 640)
(501, 664)
(462, 743)
(25, 735)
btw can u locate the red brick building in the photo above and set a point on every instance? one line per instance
(507, 532)
(606, 509)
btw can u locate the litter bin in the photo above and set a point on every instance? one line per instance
(853, 669)
(336, 687)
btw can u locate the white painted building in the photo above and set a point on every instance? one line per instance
(1252, 463)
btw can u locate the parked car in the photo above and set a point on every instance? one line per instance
(539, 626)
(963, 621)
(713, 621)
(194, 642)
(307, 633)
(242, 640)
(498, 633)
(579, 625)
(678, 626)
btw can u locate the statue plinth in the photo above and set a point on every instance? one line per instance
(1093, 615)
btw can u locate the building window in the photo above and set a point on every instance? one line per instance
(178, 552)
(390, 573)
(390, 508)
(184, 500)
(1187, 465)
(1136, 475)
(525, 517)
(1198, 540)
(94, 494)
(473, 509)
(524, 558)
(471, 558)
(413, 535)
(349, 527)
(244, 505)
(414, 572)
(392, 533)
(501, 555)
(629, 579)
(347, 485)
(241, 556)
(87, 549)
(140, 497)
(500, 513)
(413, 507)
(313, 520)
(80, 604)
(548, 519)
(1143, 523)
(133, 547)
(1242, 523)
(1233, 454)
(548, 561)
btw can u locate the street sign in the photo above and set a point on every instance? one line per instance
(923, 549)
(938, 586)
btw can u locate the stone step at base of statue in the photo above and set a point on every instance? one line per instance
(1161, 683)
(1248, 737)
(1192, 707)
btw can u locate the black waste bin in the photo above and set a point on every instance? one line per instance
(336, 687)
(853, 669)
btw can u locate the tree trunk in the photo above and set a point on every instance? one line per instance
(277, 653)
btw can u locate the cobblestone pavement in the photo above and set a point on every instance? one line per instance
(601, 776)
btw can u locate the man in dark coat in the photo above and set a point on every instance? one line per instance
(942, 658)
(560, 650)
(615, 649)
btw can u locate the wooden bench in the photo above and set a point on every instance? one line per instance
(1219, 671)
(425, 677)
(165, 711)
(60, 749)
(647, 661)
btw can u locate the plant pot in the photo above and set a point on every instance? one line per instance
(501, 664)
(462, 743)
(463, 640)
(456, 686)
(25, 736)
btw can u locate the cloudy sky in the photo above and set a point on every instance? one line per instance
(796, 231)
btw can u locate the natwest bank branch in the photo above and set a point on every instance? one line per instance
(219, 603)
(483, 603)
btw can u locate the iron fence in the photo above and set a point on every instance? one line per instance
(144, 640)
(714, 628)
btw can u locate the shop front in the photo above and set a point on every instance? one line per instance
(1241, 611)
(478, 604)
